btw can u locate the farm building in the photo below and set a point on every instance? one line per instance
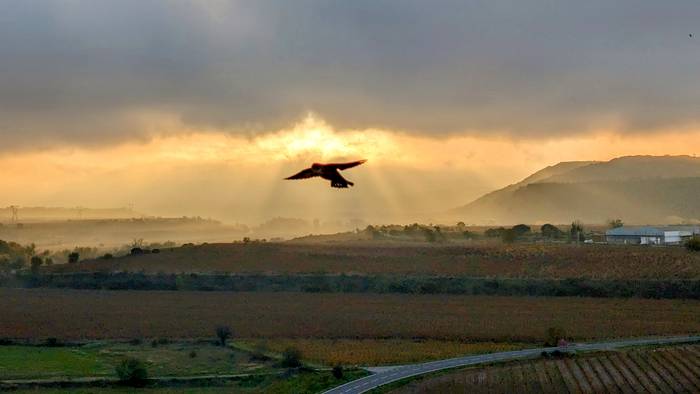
(648, 235)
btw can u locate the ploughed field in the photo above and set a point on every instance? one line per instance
(477, 259)
(37, 314)
(661, 370)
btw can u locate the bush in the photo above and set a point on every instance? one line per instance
(338, 372)
(132, 372)
(193, 354)
(107, 256)
(291, 358)
(74, 257)
(554, 335)
(52, 342)
(693, 244)
(223, 333)
(136, 341)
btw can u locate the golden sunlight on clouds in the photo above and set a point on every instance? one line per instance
(404, 170)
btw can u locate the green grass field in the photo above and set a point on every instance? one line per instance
(100, 359)
(17, 362)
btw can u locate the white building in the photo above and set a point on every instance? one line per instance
(648, 235)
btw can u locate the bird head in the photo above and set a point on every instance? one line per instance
(316, 166)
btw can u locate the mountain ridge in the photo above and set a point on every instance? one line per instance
(639, 189)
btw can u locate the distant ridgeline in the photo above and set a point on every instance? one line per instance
(32, 214)
(637, 189)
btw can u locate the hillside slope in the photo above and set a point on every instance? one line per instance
(637, 189)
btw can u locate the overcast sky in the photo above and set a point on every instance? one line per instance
(481, 91)
(80, 71)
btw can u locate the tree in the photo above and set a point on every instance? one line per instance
(35, 264)
(615, 223)
(551, 231)
(521, 229)
(133, 372)
(576, 231)
(291, 358)
(223, 333)
(74, 257)
(693, 244)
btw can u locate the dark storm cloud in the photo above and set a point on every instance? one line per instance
(73, 71)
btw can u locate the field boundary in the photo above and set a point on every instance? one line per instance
(367, 283)
(101, 381)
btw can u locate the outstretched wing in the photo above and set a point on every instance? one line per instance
(345, 166)
(307, 173)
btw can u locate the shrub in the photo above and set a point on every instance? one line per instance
(107, 256)
(693, 244)
(52, 342)
(132, 372)
(193, 354)
(291, 358)
(554, 335)
(338, 372)
(73, 257)
(136, 341)
(223, 333)
(136, 251)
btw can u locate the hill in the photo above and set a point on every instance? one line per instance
(637, 189)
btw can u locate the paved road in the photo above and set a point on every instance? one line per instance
(388, 375)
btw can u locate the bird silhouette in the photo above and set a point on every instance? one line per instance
(328, 172)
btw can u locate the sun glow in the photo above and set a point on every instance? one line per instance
(313, 138)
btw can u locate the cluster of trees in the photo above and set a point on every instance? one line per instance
(420, 232)
(547, 231)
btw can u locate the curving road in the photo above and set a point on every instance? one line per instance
(388, 375)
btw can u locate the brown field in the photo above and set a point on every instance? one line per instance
(75, 314)
(480, 259)
(666, 370)
(379, 351)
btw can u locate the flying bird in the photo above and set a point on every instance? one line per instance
(329, 172)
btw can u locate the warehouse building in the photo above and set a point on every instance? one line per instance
(648, 235)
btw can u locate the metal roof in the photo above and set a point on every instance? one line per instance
(636, 231)
(648, 231)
